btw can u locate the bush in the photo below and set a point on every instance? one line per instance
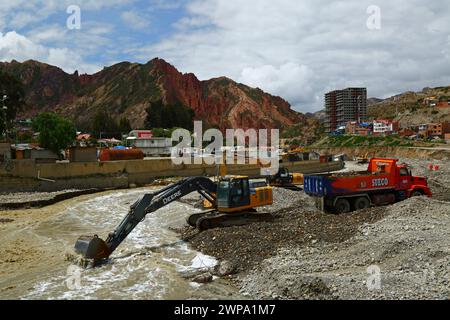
(55, 132)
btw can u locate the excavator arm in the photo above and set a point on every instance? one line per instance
(92, 247)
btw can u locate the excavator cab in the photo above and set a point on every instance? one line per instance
(237, 194)
(233, 193)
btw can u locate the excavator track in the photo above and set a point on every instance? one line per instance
(193, 218)
(220, 220)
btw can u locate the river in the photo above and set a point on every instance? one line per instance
(148, 265)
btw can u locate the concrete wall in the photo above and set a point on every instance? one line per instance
(86, 154)
(23, 176)
(5, 150)
(391, 152)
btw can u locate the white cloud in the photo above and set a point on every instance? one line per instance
(291, 81)
(295, 49)
(19, 14)
(14, 46)
(92, 39)
(135, 20)
(301, 49)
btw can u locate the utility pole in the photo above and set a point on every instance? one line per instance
(4, 111)
(359, 108)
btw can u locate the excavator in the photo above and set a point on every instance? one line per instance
(286, 179)
(233, 199)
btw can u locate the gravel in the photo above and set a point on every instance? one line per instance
(38, 199)
(30, 196)
(296, 222)
(409, 249)
(438, 178)
(394, 252)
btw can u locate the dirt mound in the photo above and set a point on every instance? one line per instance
(296, 223)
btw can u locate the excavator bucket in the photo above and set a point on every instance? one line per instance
(92, 247)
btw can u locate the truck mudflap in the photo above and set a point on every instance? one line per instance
(320, 203)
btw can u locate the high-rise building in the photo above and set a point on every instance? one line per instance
(342, 106)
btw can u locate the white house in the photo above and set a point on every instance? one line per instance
(151, 146)
(383, 127)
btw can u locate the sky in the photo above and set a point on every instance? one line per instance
(297, 49)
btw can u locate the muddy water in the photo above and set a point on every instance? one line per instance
(148, 265)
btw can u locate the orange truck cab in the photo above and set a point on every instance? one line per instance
(384, 182)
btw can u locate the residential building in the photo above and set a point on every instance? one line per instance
(385, 127)
(360, 129)
(342, 106)
(430, 101)
(423, 131)
(443, 104)
(437, 129)
(406, 132)
(141, 134)
(150, 146)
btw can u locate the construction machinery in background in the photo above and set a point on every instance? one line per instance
(363, 159)
(384, 182)
(234, 201)
(286, 179)
(293, 155)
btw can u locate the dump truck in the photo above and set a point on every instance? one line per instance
(384, 182)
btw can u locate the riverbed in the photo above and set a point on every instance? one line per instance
(149, 264)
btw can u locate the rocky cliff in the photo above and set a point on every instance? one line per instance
(126, 89)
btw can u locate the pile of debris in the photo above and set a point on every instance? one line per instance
(438, 174)
(406, 255)
(296, 223)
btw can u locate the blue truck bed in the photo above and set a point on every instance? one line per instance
(317, 186)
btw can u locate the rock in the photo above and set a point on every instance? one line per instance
(203, 278)
(225, 268)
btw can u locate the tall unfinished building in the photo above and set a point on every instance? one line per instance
(342, 106)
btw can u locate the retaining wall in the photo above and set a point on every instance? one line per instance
(26, 175)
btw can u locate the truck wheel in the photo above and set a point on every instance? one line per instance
(362, 203)
(342, 206)
(416, 193)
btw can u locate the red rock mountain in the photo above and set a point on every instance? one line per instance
(126, 89)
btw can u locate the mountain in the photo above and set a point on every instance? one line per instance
(372, 101)
(126, 89)
(320, 115)
(409, 109)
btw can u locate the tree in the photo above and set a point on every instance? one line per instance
(169, 116)
(13, 89)
(155, 115)
(124, 125)
(55, 132)
(104, 125)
